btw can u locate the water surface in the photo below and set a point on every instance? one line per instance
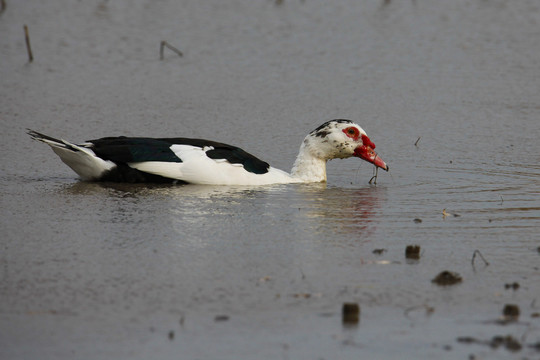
(130, 271)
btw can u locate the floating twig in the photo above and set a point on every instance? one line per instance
(166, 44)
(356, 175)
(502, 200)
(181, 321)
(27, 38)
(417, 140)
(446, 213)
(429, 310)
(481, 256)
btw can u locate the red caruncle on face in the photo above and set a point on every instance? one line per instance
(367, 142)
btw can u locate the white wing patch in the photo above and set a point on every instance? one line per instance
(197, 168)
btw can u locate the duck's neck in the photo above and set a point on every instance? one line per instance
(307, 167)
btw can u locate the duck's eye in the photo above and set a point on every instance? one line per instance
(352, 132)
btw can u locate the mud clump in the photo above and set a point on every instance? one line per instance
(350, 313)
(412, 252)
(446, 278)
(513, 286)
(508, 342)
(511, 312)
(221, 318)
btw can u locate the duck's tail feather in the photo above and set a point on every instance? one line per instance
(80, 158)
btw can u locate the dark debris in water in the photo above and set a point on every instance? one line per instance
(351, 313)
(514, 286)
(163, 44)
(379, 251)
(446, 213)
(412, 252)
(508, 342)
(511, 312)
(221, 318)
(428, 310)
(475, 253)
(446, 278)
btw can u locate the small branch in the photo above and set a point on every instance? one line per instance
(429, 310)
(166, 44)
(417, 140)
(27, 38)
(481, 256)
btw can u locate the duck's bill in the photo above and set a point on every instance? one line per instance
(367, 153)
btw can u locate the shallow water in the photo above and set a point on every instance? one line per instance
(130, 271)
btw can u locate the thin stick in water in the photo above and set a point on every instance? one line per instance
(481, 256)
(417, 140)
(166, 44)
(28, 48)
(374, 177)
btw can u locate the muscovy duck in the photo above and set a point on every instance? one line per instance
(197, 161)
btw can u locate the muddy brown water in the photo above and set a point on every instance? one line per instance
(118, 271)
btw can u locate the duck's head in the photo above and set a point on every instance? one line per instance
(341, 139)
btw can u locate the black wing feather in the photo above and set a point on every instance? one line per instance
(130, 149)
